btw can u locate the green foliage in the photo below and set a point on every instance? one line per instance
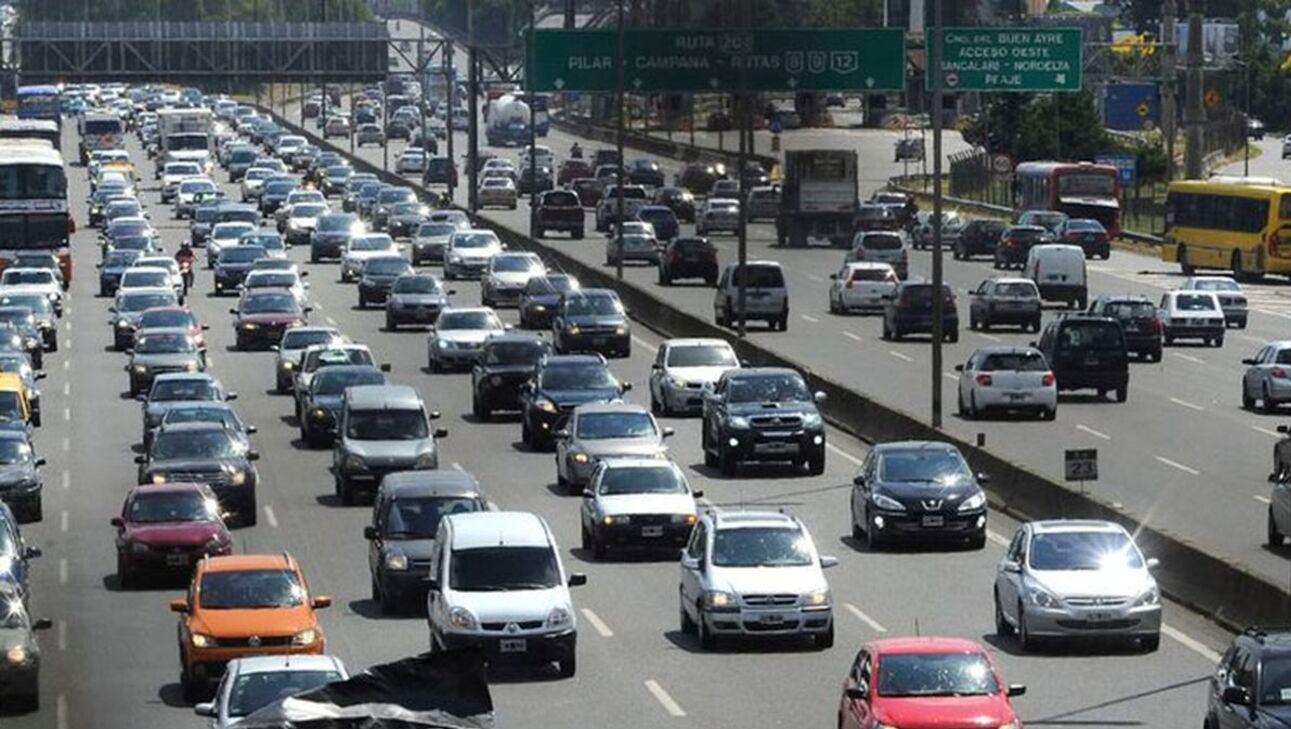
(494, 23)
(189, 10)
(843, 13)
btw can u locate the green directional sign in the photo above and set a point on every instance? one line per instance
(1010, 59)
(719, 60)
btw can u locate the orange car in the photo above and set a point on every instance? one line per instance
(244, 605)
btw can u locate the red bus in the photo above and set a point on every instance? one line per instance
(1079, 189)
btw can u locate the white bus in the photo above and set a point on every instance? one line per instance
(34, 214)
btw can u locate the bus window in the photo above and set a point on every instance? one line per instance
(1284, 207)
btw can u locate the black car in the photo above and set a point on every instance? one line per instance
(917, 490)
(755, 175)
(111, 268)
(506, 362)
(321, 403)
(546, 180)
(275, 192)
(379, 275)
(762, 414)
(591, 320)
(204, 453)
(645, 172)
(1086, 351)
(1138, 317)
(698, 177)
(1245, 691)
(663, 219)
(440, 171)
(332, 235)
(688, 258)
(559, 384)
(1016, 243)
(909, 311)
(21, 485)
(979, 237)
(404, 219)
(681, 201)
(232, 266)
(541, 298)
(405, 518)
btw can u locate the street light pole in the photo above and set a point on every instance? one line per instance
(938, 299)
(618, 138)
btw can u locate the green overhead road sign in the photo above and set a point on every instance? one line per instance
(719, 60)
(1010, 59)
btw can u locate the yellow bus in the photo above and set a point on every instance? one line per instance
(1242, 225)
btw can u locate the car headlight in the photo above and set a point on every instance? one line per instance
(620, 330)
(139, 548)
(159, 478)
(719, 600)
(454, 259)
(1010, 725)
(216, 544)
(976, 501)
(884, 501)
(1042, 598)
(201, 640)
(250, 326)
(539, 307)
(1152, 596)
(684, 518)
(140, 369)
(547, 406)
(817, 598)
(308, 636)
(289, 365)
(573, 330)
(581, 458)
(17, 655)
(53, 297)
(738, 422)
(559, 617)
(318, 414)
(354, 463)
(462, 619)
(811, 420)
(238, 477)
(396, 562)
(123, 324)
(426, 460)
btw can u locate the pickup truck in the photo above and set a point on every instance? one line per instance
(607, 210)
(559, 210)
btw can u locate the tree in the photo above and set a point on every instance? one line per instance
(843, 13)
(1030, 127)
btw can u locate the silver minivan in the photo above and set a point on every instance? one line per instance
(766, 295)
(381, 429)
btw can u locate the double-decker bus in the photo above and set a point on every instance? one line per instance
(1079, 189)
(34, 215)
(41, 102)
(31, 129)
(1233, 224)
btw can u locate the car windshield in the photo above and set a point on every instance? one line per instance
(593, 306)
(10, 407)
(195, 444)
(1018, 289)
(27, 277)
(1014, 362)
(451, 320)
(550, 285)
(474, 240)
(1194, 302)
(270, 280)
(191, 187)
(515, 264)
(760, 277)
(768, 388)
(297, 339)
(435, 230)
(167, 506)
(600, 426)
(1083, 551)
(20, 317)
(1215, 284)
(662, 479)
(761, 547)
(254, 691)
(219, 416)
(165, 344)
(418, 517)
(935, 674)
(175, 390)
(1092, 335)
(703, 355)
(584, 377)
(916, 465)
(242, 254)
(250, 589)
(145, 278)
(882, 242)
(334, 383)
(343, 356)
(308, 210)
(373, 243)
(139, 302)
(389, 424)
(408, 208)
(119, 259)
(387, 266)
(1131, 310)
(231, 230)
(332, 223)
(498, 569)
(270, 304)
(14, 452)
(166, 318)
(515, 353)
(416, 285)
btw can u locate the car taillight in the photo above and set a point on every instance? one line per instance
(1010, 243)
(1157, 326)
(984, 380)
(1279, 373)
(1047, 380)
(71, 225)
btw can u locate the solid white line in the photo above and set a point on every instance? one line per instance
(1180, 466)
(898, 355)
(62, 635)
(597, 623)
(988, 337)
(996, 537)
(874, 624)
(62, 521)
(1262, 499)
(670, 706)
(1189, 642)
(61, 711)
(1266, 431)
(811, 319)
(1091, 431)
(854, 337)
(67, 480)
(1189, 358)
(67, 389)
(269, 516)
(1186, 404)
(843, 453)
(62, 571)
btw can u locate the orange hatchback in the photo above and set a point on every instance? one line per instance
(244, 605)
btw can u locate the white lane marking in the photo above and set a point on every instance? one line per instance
(950, 376)
(874, 624)
(900, 356)
(1180, 466)
(1091, 431)
(62, 571)
(67, 413)
(597, 623)
(67, 364)
(69, 325)
(62, 521)
(1249, 338)
(996, 537)
(270, 517)
(67, 389)
(669, 705)
(704, 502)
(331, 322)
(61, 711)
(457, 466)
(67, 342)
(67, 480)
(988, 337)
(1186, 404)
(853, 337)
(1262, 499)
(815, 278)
(1189, 642)
(835, 449)
(62, 635)
(1266, 431)
(811, 319)
(67, 445)
(639, 341)
(1188, 358)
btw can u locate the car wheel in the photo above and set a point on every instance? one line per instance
(1248, 402)
(1002, 626)
(687, 625)
(825, 640)
(386, 601)
(125, 579)
(1275, 538)
(654, 404)
(567, 667)
(598, 547)
(1267, 404)
(816, 464)
(1150, 643)
(725, 460)
(707, 641)
(1122, 393)
(1051, 414)
(1026, 641)
(873, 542)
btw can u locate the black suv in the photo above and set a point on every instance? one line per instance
(1248, 685)
(1087, 352)
(1138, 317)
(1016, 243)
(979, 237)
(560, 384)
(506, 362)
(762, 414)
(688, 258)
(909, 311)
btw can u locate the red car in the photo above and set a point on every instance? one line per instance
(168, 528)
(263, 315)
(926, 683)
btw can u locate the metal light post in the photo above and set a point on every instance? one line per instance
(938, 299)
(533, 120)
(618, 183)
(450, 78)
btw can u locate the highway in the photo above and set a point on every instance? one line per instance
(111, 660)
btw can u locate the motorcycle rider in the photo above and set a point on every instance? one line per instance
(186, 258)
(576, 152)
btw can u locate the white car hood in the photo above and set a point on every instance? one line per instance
(1094, 583)
(468, 336)
(365, 255)
(764, 580)
(512, 606)
(647, 504)
(698, 374)
(511, 278)
(42, 289)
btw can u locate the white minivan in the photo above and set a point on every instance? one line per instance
(497, 583)
(1058, 270)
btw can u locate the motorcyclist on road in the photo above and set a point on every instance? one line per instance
(186, 259)
(576, 151)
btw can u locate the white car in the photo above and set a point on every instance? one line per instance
(173, 174)
(754, 574)
(253, 181)
(161, 263)
(468, 253)
(430, 240)
(718, 214)
(1192, 315)
(861, 286)
(1231, 297)
(682, 371)
(458, 334)
(294, 198)
(289, 280)
(302, 221)
(250, 684)
(34, 280)
(498, 192)
(294, 343)
(1268, 377)
(507, 276)
(1286, 146)
(499, 164)
(225, 235)
(1007, 379)
(542, 154)
(412, 160)
(189, 189)
(637, 502)
(360, 249)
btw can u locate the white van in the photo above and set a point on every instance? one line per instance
(497, 583)
(1058, 270)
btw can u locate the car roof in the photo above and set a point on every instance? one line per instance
(182, 376)
(194, 427)
(1007, 349)
(276, 664)
(760, 372)
(449, 482)
(498, 529)
(754, 519)
(572, 360)
(171, 487)
(593, 408)
(908, 445)
(924, 644)
(515, 337)
(245, 562)
(382, 397)
(696, 342)
(1050, 526)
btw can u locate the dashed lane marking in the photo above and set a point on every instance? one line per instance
(988, 337)
(1189, 642)
(62, 521)
(1188, 358)
(812, 319)
(853, 336)
(1091, 431)
(270, 517)
(67, 389)
(900, 356)
(669, 705)
(844, 454)
(62, 571)
(996, 537)
(861, 616)
(1266, 431)
(597, 623)
(1180, 466)
(1186, 404)
(1262, 499)
(62, 635)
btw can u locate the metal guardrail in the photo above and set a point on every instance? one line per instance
(44, 30)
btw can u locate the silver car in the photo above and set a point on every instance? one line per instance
(637, 502)
(498, 192)
(360, 249)
(429, 242)
(1231, 297)
(1076, 578)
(605, 430)
(468, 253)
(507, 276)
(681, 370)
(635, 247)
(249, 684)
(294, 343)
(458, 334)
(1268, 376)
(718, 214)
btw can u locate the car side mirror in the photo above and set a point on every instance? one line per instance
(40, 462)
(689, 563)
(833, 277)
(1015, 567)
(385, 367)
(588, 494)
(40, 374)
(1153, 563)
(42, 624)
(561, 434)
(369, 533)
(253, 455)
(117, 522)
(1250, 361)
(233, 311)
(627, 386)
(669, 432)
(321, 602)
(252, 430)
(304, 274)
(452, 292)
(983, 477)
(140, 460)
(1017, 689)
(959, 368)
(230, 396)
(179, 606)
(1236, 695)
(827, 561)
(1273, 477)
(578, 579)
(819, 396)
(856, 693)
(441, 433)
(206, 708)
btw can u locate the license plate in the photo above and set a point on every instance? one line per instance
(1091, 361)
(176, 560)
(652, 531)
(815, 240)
(598, 341)
(934, 521)
(772, 619)
(776, 448)
(1015, 396)
(1098, 617)
(757, 294)
(513, 645)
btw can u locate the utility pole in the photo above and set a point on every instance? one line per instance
(472, 122)
(533, 120)
(744, 122)
(1169, 76)
(618, 139)
(1194, 114)
(450, 79)
(938, 299)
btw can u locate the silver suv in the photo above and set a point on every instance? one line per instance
(766, 296)
(382, 429)
(751, 574)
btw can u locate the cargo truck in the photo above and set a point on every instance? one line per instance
(185, 135)
(818, 199)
